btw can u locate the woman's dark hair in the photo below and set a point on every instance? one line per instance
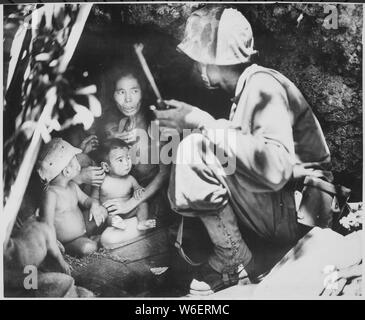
(114, 72)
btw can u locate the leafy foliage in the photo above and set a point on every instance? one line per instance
(47, 30)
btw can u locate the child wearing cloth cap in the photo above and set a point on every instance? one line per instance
(57, 166)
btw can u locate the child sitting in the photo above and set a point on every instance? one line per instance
(57, 166)
(118, 183)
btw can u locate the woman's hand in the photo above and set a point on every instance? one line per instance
(89, 144)
(119, 206)
(92, 176)
(126, 136)
(98, 213)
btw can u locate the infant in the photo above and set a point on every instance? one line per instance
(115, 159)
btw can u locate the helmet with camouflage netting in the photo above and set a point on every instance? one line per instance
(218, 35)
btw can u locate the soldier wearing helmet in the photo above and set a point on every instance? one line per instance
(271, 138)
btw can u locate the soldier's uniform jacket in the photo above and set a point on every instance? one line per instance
(271, 128)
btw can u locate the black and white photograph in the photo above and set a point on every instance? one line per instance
(182, 150)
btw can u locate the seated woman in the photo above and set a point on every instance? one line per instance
(127, 94)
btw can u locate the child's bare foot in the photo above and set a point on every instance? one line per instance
(146, 224)
(118, 222)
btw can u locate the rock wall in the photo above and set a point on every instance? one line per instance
(326, 64)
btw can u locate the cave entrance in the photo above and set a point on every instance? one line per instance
(106, 42)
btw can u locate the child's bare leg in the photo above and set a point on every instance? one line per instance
(81, 247)
(55, 251)
(142, 215)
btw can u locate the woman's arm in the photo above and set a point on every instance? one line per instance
(116, 206)
(95, 193)
(91, 175)
(96, 210)
(156, 183)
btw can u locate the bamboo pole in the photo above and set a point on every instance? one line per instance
(75, 35)
(17, 191)
(15, 52)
